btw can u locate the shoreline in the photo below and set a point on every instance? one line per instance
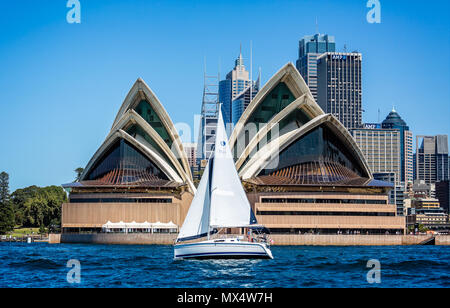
(279, 239)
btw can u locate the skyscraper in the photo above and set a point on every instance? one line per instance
(339, 87)
(394, 121)
(190, 149)
(432, 160)
(381, 148)
(240, 103)
(310, 47)
(443, 194)
(237, 81)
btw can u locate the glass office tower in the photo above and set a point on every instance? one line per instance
(339, 86)
(394, 121)
(236, 82)
(310, 47)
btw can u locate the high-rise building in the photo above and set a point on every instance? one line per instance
(381, 148)
(432, 160)
(240, 103)
(190, 149)
(394, 121)
(310, 175)
(339, 87)
(236, 82)
(442, 163)
(310, 47)
(443, 194)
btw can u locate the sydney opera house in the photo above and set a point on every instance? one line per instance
(300, 167)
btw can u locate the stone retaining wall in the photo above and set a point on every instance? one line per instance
(279, 239)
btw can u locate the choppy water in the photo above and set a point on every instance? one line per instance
(43, 265)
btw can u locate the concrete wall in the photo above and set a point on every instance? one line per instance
(279, 239)
(443, 240)
(95, 215)
(348, 240)
(118, 239)
(54, 238)
(341, 222)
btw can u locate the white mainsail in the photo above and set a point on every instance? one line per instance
(229, 203)
(220, 200)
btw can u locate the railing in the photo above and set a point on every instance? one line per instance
(24, 239)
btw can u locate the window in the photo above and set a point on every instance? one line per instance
(321, 144)
(122, 164)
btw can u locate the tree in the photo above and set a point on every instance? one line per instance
(423, 229)
(38, 207)
(6, 209)
(79, 171)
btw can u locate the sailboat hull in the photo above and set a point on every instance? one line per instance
(222, 249)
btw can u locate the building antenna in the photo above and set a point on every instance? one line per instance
(259, 78)
(317, 26)
(251, 69)
(378, 115)
(345, 47)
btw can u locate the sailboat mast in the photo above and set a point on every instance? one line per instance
(211, 170)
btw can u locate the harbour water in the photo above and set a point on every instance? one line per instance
(44, 265)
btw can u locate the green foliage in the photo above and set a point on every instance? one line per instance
(423, 229)
(38, 207)
(6, 209)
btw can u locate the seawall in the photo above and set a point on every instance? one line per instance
(114, 239)
(279, 239)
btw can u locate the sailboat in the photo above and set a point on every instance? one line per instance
(220, 203)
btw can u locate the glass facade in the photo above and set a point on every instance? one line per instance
(382, 150)
(236, 82)
(241, 103)
(293, 121)
(321, 144)
(140, 135)
(310, 47)
(278, 99)
(339, 87)
(124, 164)
(225, 100)
(322, 201)
(316, 44)
(145, 110)
(394, 121)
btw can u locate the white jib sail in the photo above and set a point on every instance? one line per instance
(196, 223)
(229, 203)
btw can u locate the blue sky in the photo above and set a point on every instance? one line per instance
(62, 84)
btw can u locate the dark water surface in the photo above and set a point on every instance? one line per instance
(43, 265)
